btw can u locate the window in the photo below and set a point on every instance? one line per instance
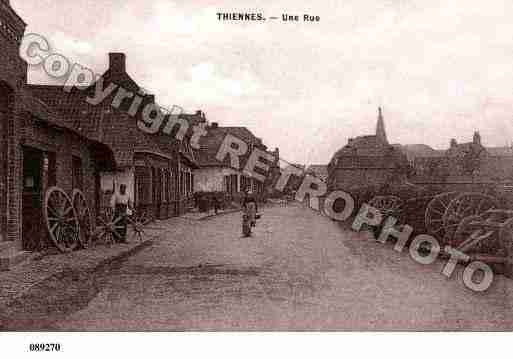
(234, 185)
(187, 183)
(230, 183)
(182, 184)
(76, 179)
(154, 185)
(189, 178)
(163, 176)
(142, 182)
(226, 180)
(171, 186)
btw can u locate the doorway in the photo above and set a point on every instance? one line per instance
(32, 221)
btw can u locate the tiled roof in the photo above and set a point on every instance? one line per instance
(321, 170)
(500, 151)
(211, 143)
(43, 111)
(243, 133)
(121, 79)
(193, 118)
(40, 109)
(463, 148)
(71, 106)
(120, 132)
(413, 151)
(102, 122)
(369, 145)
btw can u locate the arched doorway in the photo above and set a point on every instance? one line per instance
(6, 105)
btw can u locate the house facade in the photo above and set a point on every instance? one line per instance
(156, 168)
(463, 164)
(38, 150)
(13, 72)
(218, 176)
(367, 161)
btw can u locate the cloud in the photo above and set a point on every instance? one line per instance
(71, 45)
(310, 85)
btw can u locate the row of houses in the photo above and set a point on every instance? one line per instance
(370, 160)
(51, 137)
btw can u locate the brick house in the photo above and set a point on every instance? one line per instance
(157, 169)
(38, 150)
(463, 165)
(13, 74)
(217, 176)
(367, 161)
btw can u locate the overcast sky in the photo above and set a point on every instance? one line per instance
(439, 68)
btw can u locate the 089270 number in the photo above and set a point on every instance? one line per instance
(45, 347)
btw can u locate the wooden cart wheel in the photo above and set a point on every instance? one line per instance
(387, 205)
(61, 219)
(506, 239)
(109, 229)
(435, 211)
(464, 205)
(84, 218)
(138, 220)
(466, 229)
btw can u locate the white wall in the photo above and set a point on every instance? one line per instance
(211, 179)
(126, 177)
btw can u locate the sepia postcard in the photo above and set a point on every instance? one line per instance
(233, 166)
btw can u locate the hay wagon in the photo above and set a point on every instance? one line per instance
(477, 223)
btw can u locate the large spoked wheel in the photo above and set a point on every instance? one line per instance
(462, 206)
(387, 205)
(138, 221)
(84, 218)
(466, 230)
(110, 228)
(61, 219)
(435, 211)
(506, 238)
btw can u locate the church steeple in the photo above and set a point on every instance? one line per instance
(380, 128)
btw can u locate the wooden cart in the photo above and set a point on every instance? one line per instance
(70, 223)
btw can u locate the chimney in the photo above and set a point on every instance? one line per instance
(117, 62)
(477, 138)
(201, 116)
(150, 98)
